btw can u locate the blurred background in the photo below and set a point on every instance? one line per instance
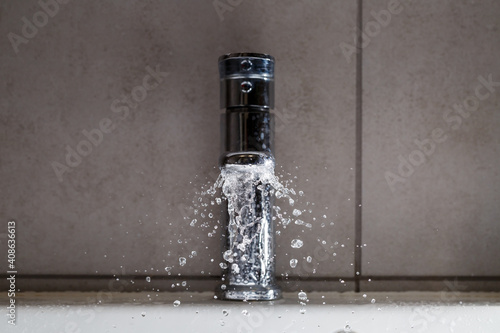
(387, 118)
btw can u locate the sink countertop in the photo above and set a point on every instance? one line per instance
(200, 312)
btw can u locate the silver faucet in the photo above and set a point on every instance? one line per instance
(247, 126)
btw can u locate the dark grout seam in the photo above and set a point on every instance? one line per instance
(378, 278)
(359, 137)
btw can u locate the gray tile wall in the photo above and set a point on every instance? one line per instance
(431, 158)
(124, 208)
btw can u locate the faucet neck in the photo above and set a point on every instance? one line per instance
(247, 129)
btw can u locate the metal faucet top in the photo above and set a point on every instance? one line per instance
(246, 65)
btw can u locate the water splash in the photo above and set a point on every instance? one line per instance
(235, 186)
(302, 301)
(297, 243)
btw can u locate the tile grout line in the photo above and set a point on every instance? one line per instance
(358, 160)
(218, 277)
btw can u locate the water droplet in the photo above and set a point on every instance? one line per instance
(182, 261)
(177, 303)
(347, 328)
(223, 287)
(143, 314)
(223, 265)
(297, 243)
(296, 212)
(309, 259)
(148, 279)
(302, 296)
(373, 301)
(228, 256)
(293, 263)
(194, 254)
(245, 313)
(193, 222)
(302, 311)
(184, 283)
(364, 295)
(225, 313)
(168, 268)
(222, 323)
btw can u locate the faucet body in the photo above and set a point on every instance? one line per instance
(247, 130)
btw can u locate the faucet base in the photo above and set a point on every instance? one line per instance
(249, 293)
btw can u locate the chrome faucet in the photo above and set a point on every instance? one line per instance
(247, 128)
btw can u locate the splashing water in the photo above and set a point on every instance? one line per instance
(248, 189)
(237, 186)
(302, 301)
(297, 243)
(182, 261)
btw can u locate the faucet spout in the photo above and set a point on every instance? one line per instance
(247, 161)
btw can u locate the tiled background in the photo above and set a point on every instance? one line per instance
(122, 209)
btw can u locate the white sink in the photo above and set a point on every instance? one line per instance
(56, 312)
